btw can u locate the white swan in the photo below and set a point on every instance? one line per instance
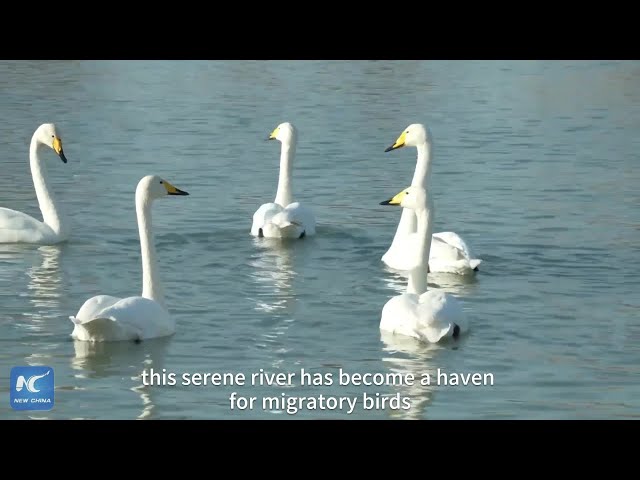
(427, 315)
(284, 218)
(107, 318)
(18, 227)
(449, 252)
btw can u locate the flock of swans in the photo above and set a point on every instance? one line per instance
(424, 314)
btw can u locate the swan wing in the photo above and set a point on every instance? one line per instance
(263, 216)
(454, 241)
(92, 307)
(438, 313)
(18, 227)
(451, 254)
(399, 315)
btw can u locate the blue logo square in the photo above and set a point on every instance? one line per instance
(32, 388)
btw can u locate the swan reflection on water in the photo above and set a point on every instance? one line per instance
(121, 359)
(406, 355)
(43, 289)
(273, 276)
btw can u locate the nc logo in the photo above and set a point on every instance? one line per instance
(32, 388)
(31, 383)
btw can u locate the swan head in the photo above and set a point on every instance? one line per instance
(153, 186)
(47, 134)
(412, 197)
(286, 133)
(412, 136)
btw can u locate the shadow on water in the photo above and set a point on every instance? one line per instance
(121, 359)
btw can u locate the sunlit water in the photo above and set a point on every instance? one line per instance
(535, 164)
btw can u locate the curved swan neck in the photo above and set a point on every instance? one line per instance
(151, 284)
(52, 215)
(283, 195)
(418, 276)
(423, 164)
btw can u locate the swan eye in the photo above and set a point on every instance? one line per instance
(161, 182)
(53, 136)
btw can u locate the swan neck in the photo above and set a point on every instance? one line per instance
(52, 214)
(151, 284)
(418, 276)
(423, 165)
(407, 222)
(283, 195)
(406, 225)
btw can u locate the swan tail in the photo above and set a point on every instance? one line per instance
(291, 230)
(475, 263)
(433, 334)
(286, 218)
(289, 225)
(284, 224)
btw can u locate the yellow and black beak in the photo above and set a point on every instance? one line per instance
(171, 190)
(57, 147)
(273, 134)
(397, 200)
(399, 142)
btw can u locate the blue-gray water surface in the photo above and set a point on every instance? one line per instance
(535, 165)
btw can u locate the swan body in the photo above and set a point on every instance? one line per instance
(106, 318)
(293, 221)
(449, 253)
(18, 227)
(427, 315)
(284, 218)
